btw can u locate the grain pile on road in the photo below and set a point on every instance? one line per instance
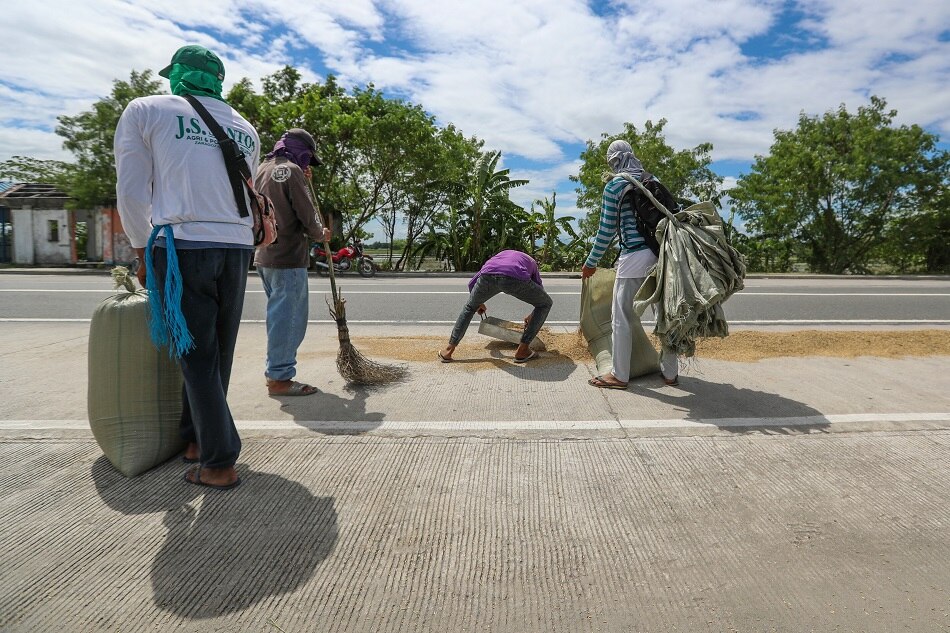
(740, 346)
(749, 346)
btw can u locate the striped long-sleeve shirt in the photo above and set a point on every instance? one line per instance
(612, 219)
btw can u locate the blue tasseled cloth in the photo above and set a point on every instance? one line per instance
(166, 322)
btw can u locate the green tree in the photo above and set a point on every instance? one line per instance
(321, 109)
(548, 227)
(26, 169)
(90, 181)
(384, 160)
(936, 224)
(428, 180)
(391, 136)
(490, 209)
(686, 173)
(480, 219)
(845, 185)
(763, 253)
(554, 253)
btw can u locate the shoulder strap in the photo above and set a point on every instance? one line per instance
(628, 190)
(649, 195)
(643, 224)
(238, 171)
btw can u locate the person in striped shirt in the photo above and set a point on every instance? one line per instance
(633, 266)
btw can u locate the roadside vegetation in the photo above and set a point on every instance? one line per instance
(842, 193)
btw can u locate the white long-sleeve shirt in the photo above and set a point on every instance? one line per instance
(170, 170)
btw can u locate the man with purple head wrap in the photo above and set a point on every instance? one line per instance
(284, 177)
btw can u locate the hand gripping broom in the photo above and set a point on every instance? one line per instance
(353, 366)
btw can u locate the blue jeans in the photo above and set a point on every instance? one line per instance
(287, 311)
(487, 286)
(212, 299)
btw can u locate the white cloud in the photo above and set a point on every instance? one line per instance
(32, 143)
(674, 23)
(543, 183)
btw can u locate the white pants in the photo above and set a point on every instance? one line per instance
(622, 317)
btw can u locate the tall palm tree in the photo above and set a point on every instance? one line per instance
(550, 227)
(556, 253)
(489, 201)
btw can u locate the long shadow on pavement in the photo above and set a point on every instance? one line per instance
(322, 412)
(735, 408)
(226, 551)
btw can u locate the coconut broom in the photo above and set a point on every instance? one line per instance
(352, 365)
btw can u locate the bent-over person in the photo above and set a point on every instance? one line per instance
(513, 273)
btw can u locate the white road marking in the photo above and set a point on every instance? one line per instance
(565, 323)
(527, 425)
(462, 292)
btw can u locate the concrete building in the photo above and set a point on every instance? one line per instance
(40, 224)
(37, 229)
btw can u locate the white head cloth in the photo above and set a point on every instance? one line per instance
(621, 159)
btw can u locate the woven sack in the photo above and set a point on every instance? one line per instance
(134, 395)
(597, 293)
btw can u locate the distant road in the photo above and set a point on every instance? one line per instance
(765, 302)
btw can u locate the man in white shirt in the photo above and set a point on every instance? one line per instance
(176, 202)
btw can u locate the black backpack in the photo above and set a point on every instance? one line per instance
(645, 212)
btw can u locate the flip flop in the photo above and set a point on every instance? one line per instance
(445, 359)
(598, 381)
(197, 481)
(671, 382)
(295, 389)
(526, 358)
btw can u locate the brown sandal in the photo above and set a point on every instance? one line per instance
(193, 476)
(598, 381)
(294, 389)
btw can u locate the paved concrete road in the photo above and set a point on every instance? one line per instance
(785, 495)
(435, 301)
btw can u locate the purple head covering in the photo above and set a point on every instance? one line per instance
(294, 149)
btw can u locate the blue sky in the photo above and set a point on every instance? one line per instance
(535, 79)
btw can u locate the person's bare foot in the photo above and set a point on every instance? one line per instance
(607, 381)
(218, 478)
(523, 352)
(192, 453)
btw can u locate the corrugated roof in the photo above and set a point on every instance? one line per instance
(5, 185)
(32, 191)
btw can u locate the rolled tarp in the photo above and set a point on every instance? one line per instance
(596, 299)
(697, 270)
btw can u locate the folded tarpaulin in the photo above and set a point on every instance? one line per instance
(596, 325)
(698, 269)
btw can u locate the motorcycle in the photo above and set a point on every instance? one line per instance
(343, 260)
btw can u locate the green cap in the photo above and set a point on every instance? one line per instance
(197, 57)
